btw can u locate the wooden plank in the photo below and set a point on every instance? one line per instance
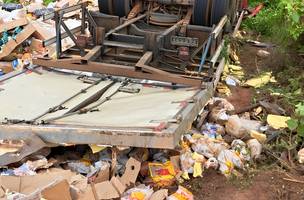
(13, 24)
(217, 30)
(12, 44)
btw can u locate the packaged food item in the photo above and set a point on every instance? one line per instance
(162, 174)
(241, 149)
(181, 194)
(140, 192)
(255, 148)
(228, 161)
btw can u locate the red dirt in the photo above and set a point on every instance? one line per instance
(265, 185)
(240, 97)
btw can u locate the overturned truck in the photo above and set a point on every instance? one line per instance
(139, 74)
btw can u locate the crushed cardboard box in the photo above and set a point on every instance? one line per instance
(117, 185)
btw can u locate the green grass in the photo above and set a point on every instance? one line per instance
(279, 20)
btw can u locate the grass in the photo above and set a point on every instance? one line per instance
(279, 21)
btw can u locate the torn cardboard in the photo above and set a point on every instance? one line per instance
(131, 172)
(115, 188)
(106, 190)
(29, 184)
(6, 67)
(58, 190)
(159, 195)
(31, 145)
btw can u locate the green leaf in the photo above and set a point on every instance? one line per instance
(295, 17)
(292, 124)
(298, 92)
(300, 130)
(300, 109)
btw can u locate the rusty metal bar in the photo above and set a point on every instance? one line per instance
(119, 70)
(124, 25)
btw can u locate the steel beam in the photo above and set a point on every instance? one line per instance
(120, 70)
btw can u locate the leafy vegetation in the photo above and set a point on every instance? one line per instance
(45, 2)
(281, 20)
(297, 123)
(10, 1)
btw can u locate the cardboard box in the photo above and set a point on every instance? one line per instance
(6, 67)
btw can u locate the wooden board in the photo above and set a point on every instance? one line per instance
(12, 24)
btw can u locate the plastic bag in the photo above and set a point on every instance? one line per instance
(218, 108)
(212, 163)
(241, 149)
(255, 148)
(192, 163)
(181, 194)
(238, 127)
(214, 131)
(301, 156)
(187, 163)
(209, 147)
(228, 160)
(140, 192)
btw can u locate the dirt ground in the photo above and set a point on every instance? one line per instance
(263, 185)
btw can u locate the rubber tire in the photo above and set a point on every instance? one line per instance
(121, 8)
(105, 6)
(201, 12)
(219, 8)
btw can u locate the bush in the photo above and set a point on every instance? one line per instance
(280, 19)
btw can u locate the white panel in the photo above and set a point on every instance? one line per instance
(28, 95)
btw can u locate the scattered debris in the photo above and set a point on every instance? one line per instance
(260, 80)
(226, 138)
(301, 156)
(260, 44)
(263, 53)
(239, 127)
(255, 148)
(277, 121)
(181, 193)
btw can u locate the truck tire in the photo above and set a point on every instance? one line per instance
(121, 8)
(219, 8)
(233, 9)
(201, 12)
(105, 6)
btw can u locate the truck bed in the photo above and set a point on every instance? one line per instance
(155, 117)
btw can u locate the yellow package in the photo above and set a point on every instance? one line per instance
(181, 194)
(162, 174)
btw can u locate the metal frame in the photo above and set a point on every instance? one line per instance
(117, 136)
(132, 136)
(88, 60)
(167, 138)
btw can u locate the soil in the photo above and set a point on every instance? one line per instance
(240, 97)
(252, 65)
(264, 185)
